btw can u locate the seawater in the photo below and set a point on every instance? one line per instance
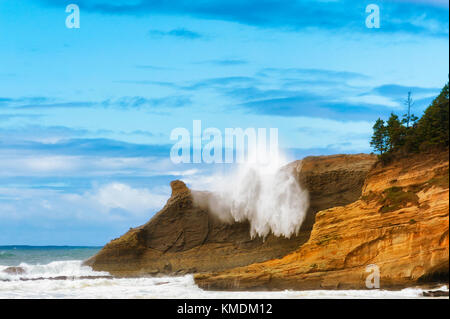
(39, 255)
(44, 263)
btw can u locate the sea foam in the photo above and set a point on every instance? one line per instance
(182, 287)
(68, 268)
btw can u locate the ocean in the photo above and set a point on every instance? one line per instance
(57, 272)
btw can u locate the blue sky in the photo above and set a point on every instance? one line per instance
(86, 114)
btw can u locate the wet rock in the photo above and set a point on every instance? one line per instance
(435, 293)
(14, 270)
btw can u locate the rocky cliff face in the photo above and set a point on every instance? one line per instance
(184, 238)
(331, 181)
(400, 224)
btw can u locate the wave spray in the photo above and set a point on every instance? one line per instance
(267, 195)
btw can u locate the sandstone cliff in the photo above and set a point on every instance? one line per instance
(333, 180)
(400, 224)
(184, 238)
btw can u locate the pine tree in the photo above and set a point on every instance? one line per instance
(379, 137)
(433, 127)
(395, 132)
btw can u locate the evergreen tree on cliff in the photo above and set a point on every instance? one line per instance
(396, 132)
(379, 137)
(433, 130)
(430, 132)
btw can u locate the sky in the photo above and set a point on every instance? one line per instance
(86, 113)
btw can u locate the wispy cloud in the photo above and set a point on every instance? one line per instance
(150, 82)
(124, 102)
(401, 91)
(225, 62)
(422, 96)
(302, 73)
(85, 147)
(11, 116)
(41, 102)
(142, 102)
(38, 133)
(309, 105)
(181, 33)
(307, 92)
(221, 82)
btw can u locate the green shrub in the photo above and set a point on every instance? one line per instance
(395, 198)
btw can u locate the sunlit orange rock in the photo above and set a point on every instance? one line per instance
(400, 224)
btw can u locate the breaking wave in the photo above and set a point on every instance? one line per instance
(268, 196)
(69, 268)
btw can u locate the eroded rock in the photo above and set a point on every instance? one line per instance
(185, 238)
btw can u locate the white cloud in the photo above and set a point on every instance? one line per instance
(135, 200)
(113, 201)
(48, 163)
(35, 164)
(375, 100)
(188, 172)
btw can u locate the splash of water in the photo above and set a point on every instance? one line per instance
(268, 196)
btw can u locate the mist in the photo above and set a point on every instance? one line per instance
(266, 195)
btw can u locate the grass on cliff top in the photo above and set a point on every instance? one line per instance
(395, 198)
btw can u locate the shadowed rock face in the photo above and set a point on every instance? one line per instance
(331, 181)
(183, 238)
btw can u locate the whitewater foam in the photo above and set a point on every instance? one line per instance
(149, 287)
(152, 287)
(68, 268)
